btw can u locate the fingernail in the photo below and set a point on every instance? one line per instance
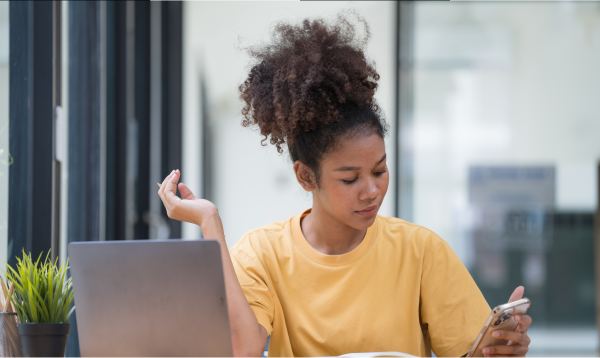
(172, 172)
(496, 334)
(485, 350)
(517, 318)
(178, 170)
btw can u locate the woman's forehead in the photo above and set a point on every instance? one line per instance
(357, 151)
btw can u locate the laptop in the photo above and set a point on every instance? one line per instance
(150, 298)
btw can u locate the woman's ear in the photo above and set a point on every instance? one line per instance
(305, 176)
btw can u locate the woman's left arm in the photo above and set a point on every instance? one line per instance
(520, 341)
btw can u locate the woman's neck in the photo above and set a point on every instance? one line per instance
(328, 235)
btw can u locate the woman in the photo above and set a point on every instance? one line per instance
(337, 278)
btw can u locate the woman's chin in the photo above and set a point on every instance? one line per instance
(362, 223)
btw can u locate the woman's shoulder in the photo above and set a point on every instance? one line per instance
(257, 240)
(395, 229)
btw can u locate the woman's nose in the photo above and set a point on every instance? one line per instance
(370, 191)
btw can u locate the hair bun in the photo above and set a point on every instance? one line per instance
(300, 79)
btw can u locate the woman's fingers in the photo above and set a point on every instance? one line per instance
(186, 193)
(524, 322)
(171, 186)
(515, 349)
(519, 338)
(167, 191)
(161, 190)
(515, 337)
(188, 208)
(517, 294)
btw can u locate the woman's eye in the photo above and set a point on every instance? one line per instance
(352, 181)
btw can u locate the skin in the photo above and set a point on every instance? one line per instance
(520, 339)
(353, 177)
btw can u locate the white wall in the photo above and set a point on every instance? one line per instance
(254, 185)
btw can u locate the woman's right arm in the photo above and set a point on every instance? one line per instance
(248, 337)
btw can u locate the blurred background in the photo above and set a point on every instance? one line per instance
(494, 140)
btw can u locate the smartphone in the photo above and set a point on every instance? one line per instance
(502, 318)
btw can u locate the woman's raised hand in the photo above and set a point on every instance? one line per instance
(248, 336)
(188, 208)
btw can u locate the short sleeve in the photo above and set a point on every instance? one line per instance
(452, 306)
(252, 277)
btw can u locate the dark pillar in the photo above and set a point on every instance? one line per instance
(57, 103)
(142, 118)
(597, 249)
(172, 64)
(116, 120)
(84, 132)
(31, 129)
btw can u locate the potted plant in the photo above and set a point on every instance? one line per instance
(42, 298)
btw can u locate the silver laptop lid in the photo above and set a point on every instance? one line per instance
(150, 298)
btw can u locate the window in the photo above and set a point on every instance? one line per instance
(506, 152)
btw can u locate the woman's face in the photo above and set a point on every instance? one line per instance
(354, 180)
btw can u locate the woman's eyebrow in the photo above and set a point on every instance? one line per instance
(345, 169)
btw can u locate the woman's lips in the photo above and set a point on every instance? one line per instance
(368, 211)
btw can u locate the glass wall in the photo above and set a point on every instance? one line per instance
(506, 148)
(5, 157)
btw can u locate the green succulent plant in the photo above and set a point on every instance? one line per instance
(42, 293)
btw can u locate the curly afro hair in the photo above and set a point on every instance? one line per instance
(311, 85)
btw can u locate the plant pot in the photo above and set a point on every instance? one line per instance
(44, 339)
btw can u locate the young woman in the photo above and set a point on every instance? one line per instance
(336, 278)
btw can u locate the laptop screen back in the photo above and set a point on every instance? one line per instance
(150, 298)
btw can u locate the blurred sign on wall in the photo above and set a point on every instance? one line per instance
(521, 239)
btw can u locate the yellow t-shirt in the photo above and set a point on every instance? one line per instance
(401, 289)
